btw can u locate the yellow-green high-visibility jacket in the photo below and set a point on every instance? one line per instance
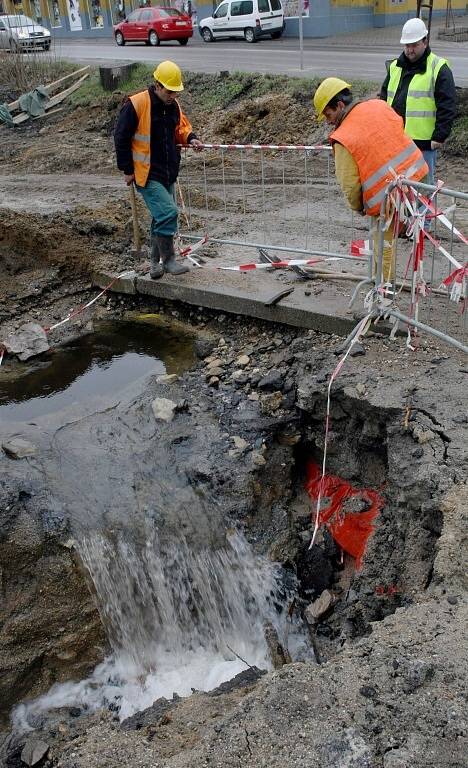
(420, 116)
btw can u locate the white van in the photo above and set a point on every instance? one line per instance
(250, 19)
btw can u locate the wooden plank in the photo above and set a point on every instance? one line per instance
(15, 104)
(52, 112)
(53, 102)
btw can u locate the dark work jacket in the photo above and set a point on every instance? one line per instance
(444, 94)
(165, 157)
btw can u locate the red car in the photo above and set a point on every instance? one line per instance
(151, 25)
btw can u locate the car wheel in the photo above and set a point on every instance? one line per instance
(276, 35)
(14, 47)
(119, 38)
(183, 41)
(250, 35)
(153, 39)
(207, 35)
(47, 46)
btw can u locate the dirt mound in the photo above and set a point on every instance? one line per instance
(26, 239)
(77, 138)
(240, 108)
(271, 119)
(35, 249)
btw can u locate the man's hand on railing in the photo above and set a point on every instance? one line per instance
(196, 144)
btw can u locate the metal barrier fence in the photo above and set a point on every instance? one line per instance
(286, 199)
(279, 197)
(434, 265)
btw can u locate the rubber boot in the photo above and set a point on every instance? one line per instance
(166, 249)
(156, 268)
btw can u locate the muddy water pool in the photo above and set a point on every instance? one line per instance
(116, 353)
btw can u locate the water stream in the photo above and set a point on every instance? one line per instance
(182, 601)
(177, 620)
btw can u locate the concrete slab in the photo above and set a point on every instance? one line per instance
(245, 295)
(122, 285)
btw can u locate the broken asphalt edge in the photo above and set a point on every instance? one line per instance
(293, 309)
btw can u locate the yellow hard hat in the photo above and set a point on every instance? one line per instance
(169, 75)
(327, 90)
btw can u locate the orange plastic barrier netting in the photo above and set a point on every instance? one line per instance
(350, 530)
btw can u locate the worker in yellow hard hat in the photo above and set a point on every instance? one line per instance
(327, 91)
(149, 127)
(369, 143)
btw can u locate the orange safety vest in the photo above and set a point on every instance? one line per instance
(141, 142)
(373, 134)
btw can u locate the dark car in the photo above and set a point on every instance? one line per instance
(152, 25)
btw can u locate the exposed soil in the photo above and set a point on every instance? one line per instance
(391, 643)
(390, 688)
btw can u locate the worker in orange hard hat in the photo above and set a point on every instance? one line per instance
(150, 125)
(369, 143)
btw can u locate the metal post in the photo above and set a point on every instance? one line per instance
(301, 35)
(136, 226)
(428, 329)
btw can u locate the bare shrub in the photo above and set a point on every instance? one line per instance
(22, 72)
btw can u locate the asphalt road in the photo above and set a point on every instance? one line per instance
(320, 57)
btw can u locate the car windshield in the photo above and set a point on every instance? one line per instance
(164, 12)
(18, 21)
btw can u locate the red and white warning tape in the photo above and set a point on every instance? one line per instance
(191, 249)
(73, 313)
(361, 248)
(308, 147)
(441, 216)
(428, 211)
(279, 264)
(457, 281)
(442, 250)
(405, 204)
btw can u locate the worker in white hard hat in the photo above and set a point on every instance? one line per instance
(149, 127)
(369, 143)
(420, 87)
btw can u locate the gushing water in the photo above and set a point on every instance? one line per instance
(177, 620)
(172, 599)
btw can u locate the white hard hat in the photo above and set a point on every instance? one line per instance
(413, 31)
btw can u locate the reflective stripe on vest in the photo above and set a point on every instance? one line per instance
(384, 169)
(420, 115)
(419, 165)
(141, 139)
(373, 134)
(140, 157)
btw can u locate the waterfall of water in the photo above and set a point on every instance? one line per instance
(156, 601)
(177, 620)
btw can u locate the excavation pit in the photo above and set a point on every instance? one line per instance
(234, 456)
